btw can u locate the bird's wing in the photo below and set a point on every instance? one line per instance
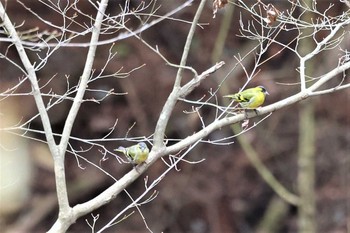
(132, 151)
(245, 96)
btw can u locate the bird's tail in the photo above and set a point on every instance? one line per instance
(234, 96)
(120, 149)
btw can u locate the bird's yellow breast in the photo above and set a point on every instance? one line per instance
(255, 101)
(141, 157)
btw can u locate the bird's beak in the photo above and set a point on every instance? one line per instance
(267, 93)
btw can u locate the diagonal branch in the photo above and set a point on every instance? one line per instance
(29, 68)
(174, 95)
(66, 215)
(191, 85)
(85, 76)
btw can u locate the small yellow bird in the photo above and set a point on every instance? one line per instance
(136, 154)
(250, 98)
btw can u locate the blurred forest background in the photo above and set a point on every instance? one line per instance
(224, 193)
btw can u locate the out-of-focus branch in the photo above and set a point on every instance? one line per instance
(306, 143)
(306, 169)
(265, 173)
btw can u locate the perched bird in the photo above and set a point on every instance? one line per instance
(250, 98)
(136, 154)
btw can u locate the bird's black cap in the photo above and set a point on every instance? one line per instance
(264, 90)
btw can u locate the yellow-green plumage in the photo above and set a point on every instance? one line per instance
(250, 98)
(136, 154)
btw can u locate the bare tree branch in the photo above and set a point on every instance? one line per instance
(174, 95)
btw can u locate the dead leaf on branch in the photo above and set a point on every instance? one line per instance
(271, 14)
